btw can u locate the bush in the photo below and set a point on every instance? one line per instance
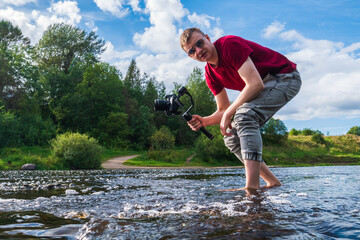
(76, 151)
(318, 138)
(354, 130)
(274, 132)
(162, 139)
(294, 132)
(9, 129)
(208, 150)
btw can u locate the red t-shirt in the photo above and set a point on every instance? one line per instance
(233, 52)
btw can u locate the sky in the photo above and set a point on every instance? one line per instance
(322, 37)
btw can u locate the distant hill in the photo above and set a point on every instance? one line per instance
(304, 151)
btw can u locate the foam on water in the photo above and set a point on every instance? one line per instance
(179, 204)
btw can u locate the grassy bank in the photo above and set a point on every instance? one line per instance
(298, 151)
(14, 158)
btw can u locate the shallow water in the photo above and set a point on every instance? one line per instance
(313, 203)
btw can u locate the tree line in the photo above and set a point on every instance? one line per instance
(59, 85)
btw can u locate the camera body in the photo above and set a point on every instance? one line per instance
(172, 104)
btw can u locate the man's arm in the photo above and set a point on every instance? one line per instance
(222, 103)
(254, 85)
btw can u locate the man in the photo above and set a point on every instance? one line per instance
(266, 80)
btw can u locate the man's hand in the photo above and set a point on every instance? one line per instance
(226, 123)
(195, 123)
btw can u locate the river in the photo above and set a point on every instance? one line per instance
(313, 203)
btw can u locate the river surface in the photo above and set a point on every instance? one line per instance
(313, 203)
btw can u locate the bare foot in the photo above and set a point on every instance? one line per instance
(272, 185)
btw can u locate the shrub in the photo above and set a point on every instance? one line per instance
(318, 138)
(307, 132)
(76, 151)
(162, 139)
(354, 130)
(9, 129)
(294, 132)
(213, 149)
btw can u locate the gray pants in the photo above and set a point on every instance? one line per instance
(245, 141)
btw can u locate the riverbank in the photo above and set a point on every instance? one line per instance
(299, 151)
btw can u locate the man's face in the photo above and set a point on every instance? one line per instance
(199, 47)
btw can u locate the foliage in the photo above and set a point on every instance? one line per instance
(354, 130)
(213, 150)
(162, 139)
(76, 151)
(9, 129)
(62, 44)
(294, 132)
(14, 62)
(318, 138)
(274, 132)
(113, 131)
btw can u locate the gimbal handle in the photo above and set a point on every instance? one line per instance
(187, 116)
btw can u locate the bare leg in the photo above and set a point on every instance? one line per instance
(252, 171)
(266, 174)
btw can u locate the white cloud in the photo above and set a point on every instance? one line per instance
(202, 21)
(19, 19)
(91, 25)
(135, 5)
(16, 2)
(273, 29)
(162, 35)
(163, 57)
(66, 11)
(115, 7)
(111, 55)
(330, 72)
(34, 23)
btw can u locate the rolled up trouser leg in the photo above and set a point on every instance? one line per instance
(245, 141)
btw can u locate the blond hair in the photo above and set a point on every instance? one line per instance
(186, 35)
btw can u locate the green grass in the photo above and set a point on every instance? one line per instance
(299, 151)
(175, 158)
(13, 158)
(108, 153)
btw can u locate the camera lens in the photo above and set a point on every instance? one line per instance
(160, 105)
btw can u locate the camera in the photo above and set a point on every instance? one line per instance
(172, 105)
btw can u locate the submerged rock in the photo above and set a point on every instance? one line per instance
(28, 166)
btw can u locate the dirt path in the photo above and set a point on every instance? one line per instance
(117, 163)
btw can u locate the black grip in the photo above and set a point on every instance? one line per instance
(207, 133)
(187, 116)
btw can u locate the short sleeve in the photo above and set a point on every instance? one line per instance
(235, 52)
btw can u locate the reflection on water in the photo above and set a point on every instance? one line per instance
(313, 203)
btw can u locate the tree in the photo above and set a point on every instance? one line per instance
(203, 98)
(294, 132)
(204, 104)
(98, 94)
(14, 60)
(354, 130)
(63, 44)
(274, 132)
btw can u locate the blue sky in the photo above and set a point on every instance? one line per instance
(321, 36)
